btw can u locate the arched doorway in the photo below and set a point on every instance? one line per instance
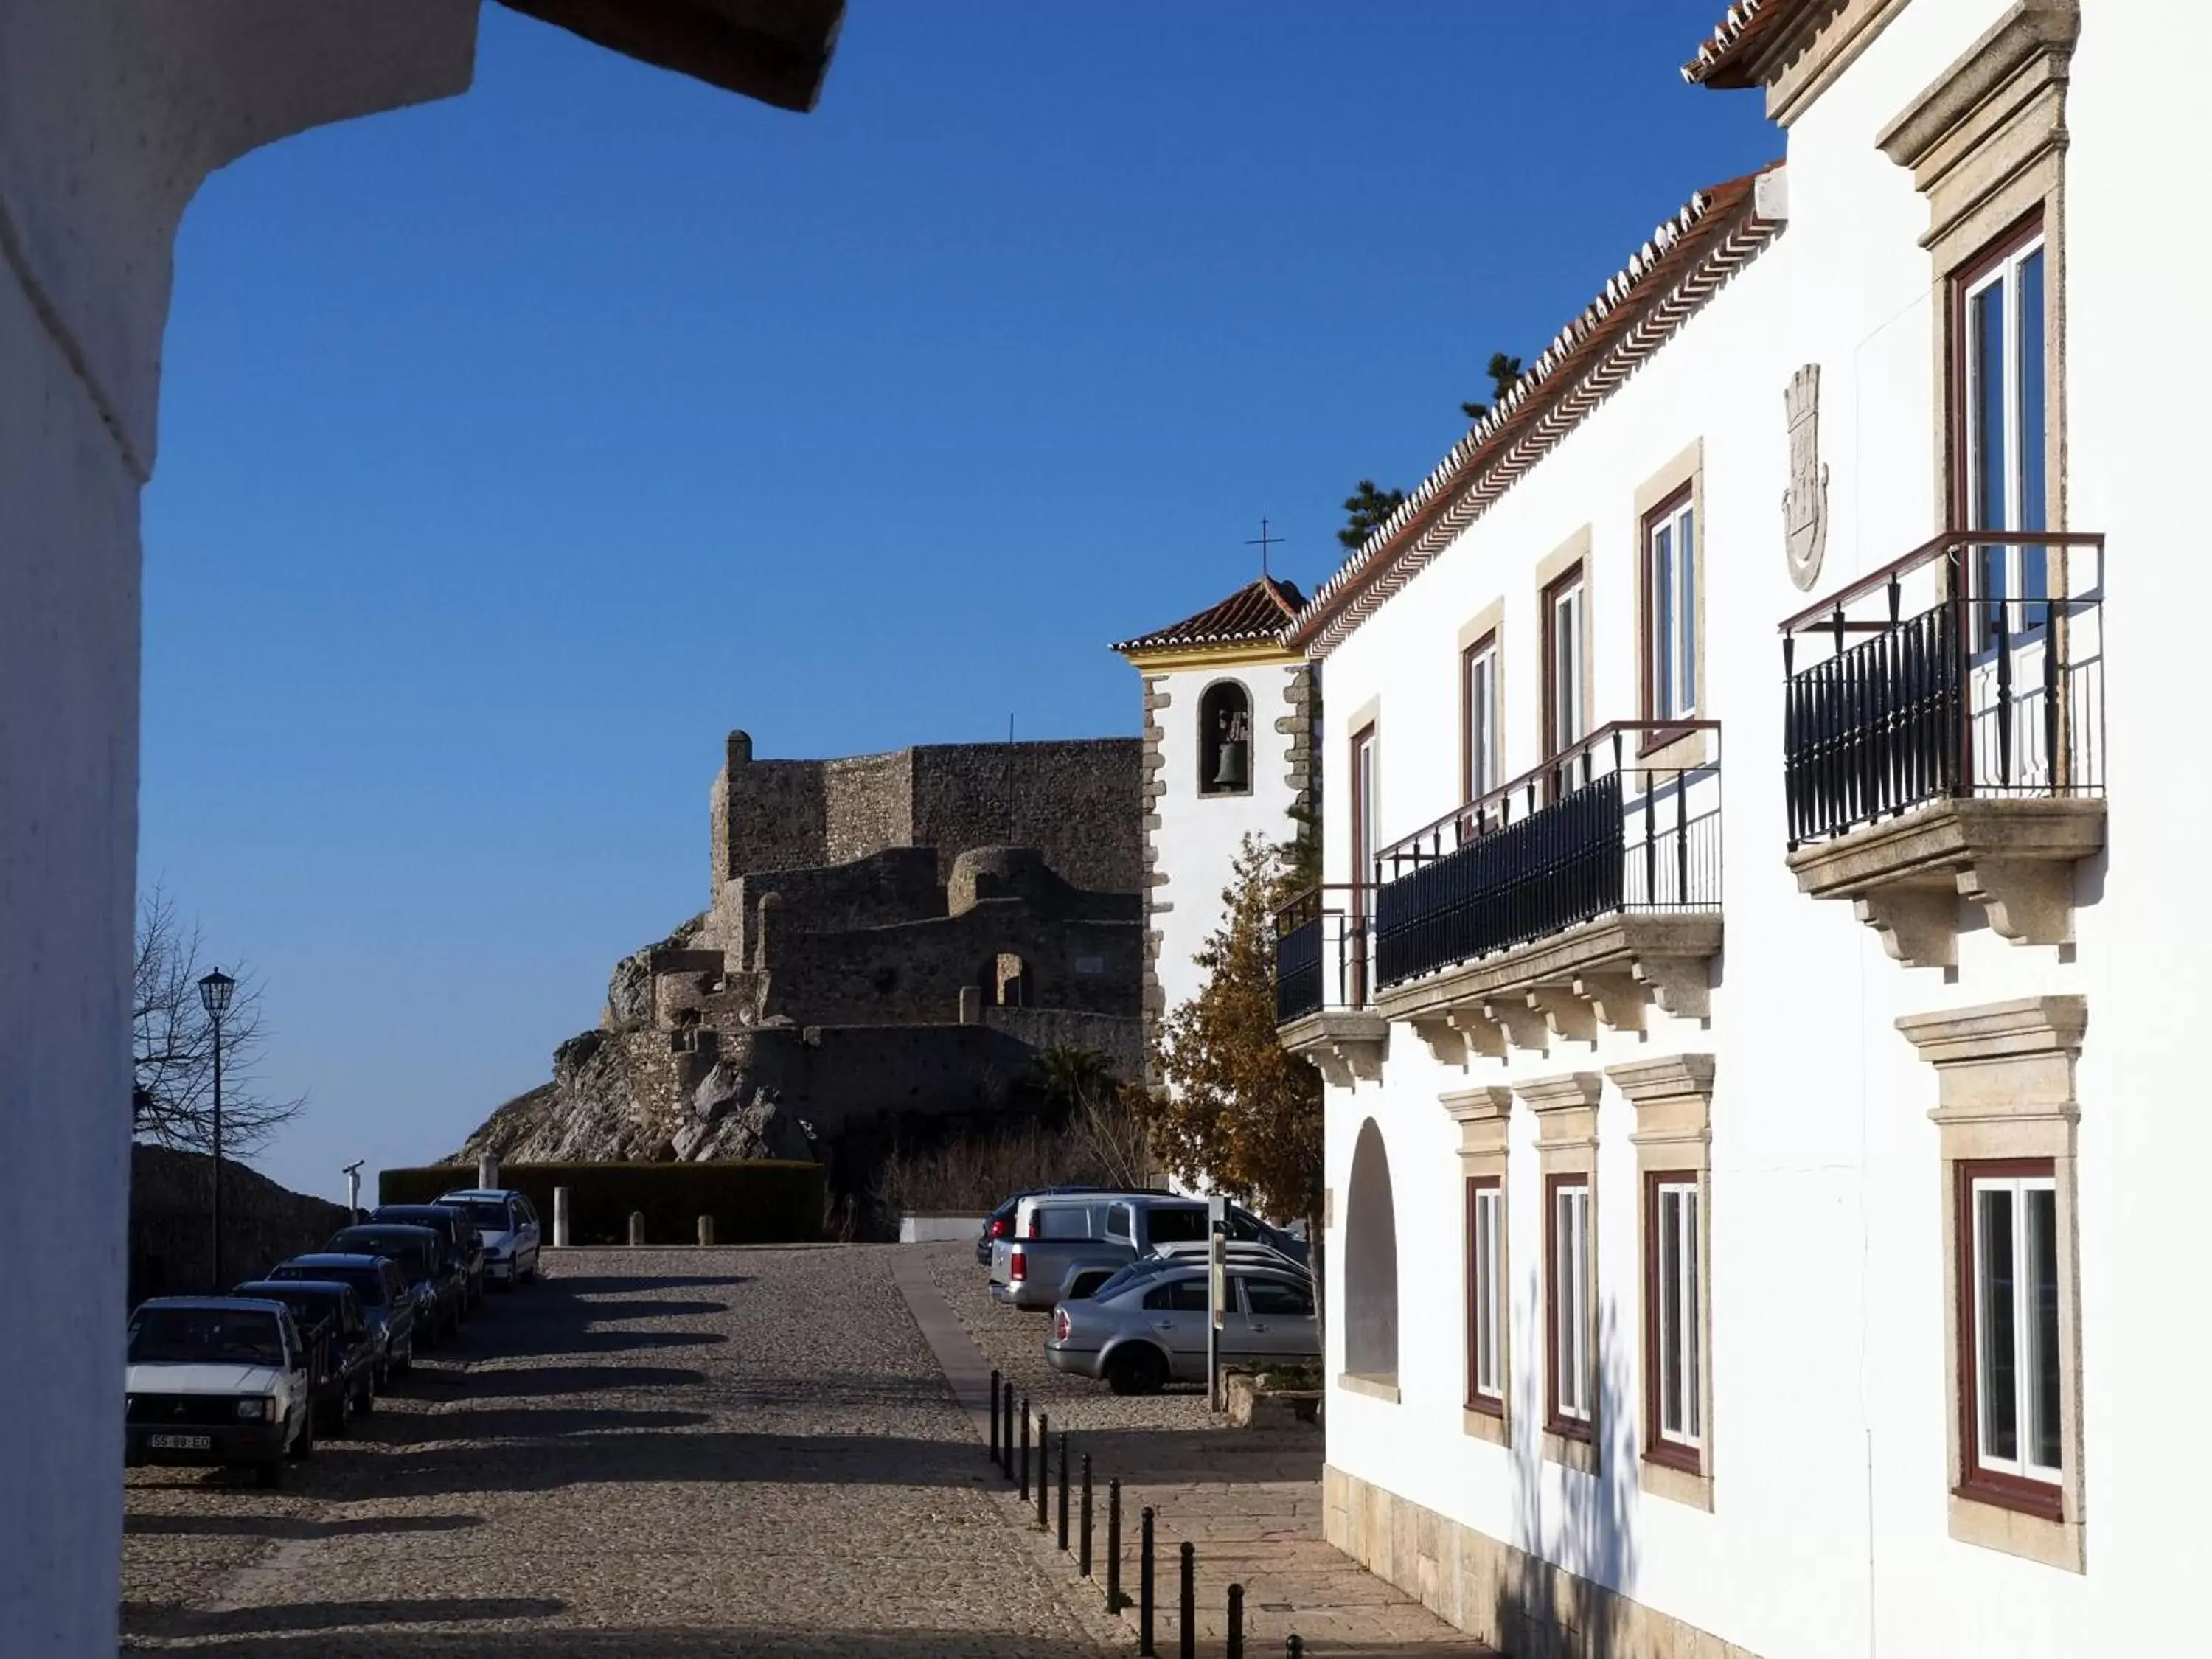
(1370, 1263)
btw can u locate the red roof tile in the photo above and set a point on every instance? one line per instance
(1251, 615)
(1725, 60)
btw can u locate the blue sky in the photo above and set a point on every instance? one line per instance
(515, 448)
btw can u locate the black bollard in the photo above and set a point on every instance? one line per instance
(1063, 1489)
(1114, 1544)
(1025, 1449)
(994, 1417)
(1044, 1466)
(1145, 1584)
(1187, 1623)
(1006, 1436)
(1236, 1647)
(1294, 1649)
(1085, 1563)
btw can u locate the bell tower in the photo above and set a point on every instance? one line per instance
(1230, 715)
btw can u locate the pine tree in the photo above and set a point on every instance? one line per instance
(1503, 372)
(1365, 509)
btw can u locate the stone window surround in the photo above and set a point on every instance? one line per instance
(1673, 1097)
(1986, 144)
(2005, 1091)
(1483, 1116)
(1566, 1145)
(1685, 471)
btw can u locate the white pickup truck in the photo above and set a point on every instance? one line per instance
(216, 1379)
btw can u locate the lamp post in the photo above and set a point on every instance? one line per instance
(215, 997)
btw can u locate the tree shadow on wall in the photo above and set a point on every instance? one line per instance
(1575, 1533)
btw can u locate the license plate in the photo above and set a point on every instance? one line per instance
(180, 1442)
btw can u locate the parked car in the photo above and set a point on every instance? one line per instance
(1063, 1246)
(1000, 1223)
(216, 1379)
(379, 1285)
(508, 1225)
(1092, 1281)
(341, 1348)
(1142, 1334)
(452, 1224)
(436, 1290)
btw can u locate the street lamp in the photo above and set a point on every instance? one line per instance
(215, 997)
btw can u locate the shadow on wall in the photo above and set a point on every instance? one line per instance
(1580, 1546)
(1370, 1262)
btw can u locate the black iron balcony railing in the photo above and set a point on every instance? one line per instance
(1321, 952)
(1981, 673)
(1592, 832)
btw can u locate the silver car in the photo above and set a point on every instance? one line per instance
(509, 1226)
(1146, 1325)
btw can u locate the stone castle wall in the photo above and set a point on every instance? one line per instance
(1078, 802)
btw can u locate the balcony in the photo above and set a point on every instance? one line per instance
(1943, 739)
(1584, 895)
(1322, 971)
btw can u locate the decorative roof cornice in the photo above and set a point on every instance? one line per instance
(1256, 614)
(1665, 281)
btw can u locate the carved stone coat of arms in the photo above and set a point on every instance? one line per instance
(1805, 503)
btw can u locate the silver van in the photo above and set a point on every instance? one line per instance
(1066, 1247)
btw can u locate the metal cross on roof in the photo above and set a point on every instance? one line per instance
(1263, 541)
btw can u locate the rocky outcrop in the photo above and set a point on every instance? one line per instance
(619, 1096)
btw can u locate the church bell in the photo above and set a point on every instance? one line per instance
(1234, 771)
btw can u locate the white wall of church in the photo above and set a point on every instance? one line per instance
(1829, 1532)
(1196, 843)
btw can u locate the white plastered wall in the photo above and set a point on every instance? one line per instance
(1828, 1534)
(1196, 843)
(112, 112)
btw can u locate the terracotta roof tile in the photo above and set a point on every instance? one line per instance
(1251, 615)
(1668, 278)
(1724, 61)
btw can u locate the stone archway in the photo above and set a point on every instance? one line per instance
(112, 114)
(1370, 1263)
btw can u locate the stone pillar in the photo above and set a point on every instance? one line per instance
(559, 1217)
(707, 1231)
(971, 1005)
(488, 1173)
(637, 1226)
(111, 113)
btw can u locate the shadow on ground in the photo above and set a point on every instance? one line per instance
(288, 1526)
(539, 1642)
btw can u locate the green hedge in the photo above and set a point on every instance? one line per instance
(770, 1201)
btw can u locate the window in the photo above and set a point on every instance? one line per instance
(1567, 1264)
(1363, 856)
(1174, 1225)
(1184, 1296)
(1120, 1222)
(1485, 1294)
(1270, 1299)
(1674, 1321)
(1225, 740)
(1479, 714)
(1670, 611)
(1999, 323)
(2009, 1370)
(1563, 714)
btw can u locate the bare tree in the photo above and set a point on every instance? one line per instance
(172, 1043)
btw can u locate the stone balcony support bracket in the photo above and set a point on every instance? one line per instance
(1606, 974)
(1906, 878)
(1347, 1045)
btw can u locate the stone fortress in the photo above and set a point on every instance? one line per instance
(889, 937)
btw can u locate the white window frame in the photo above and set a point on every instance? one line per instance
(2026, 1370)
(1564, 623)
(1681, 1318)
(1570, 1346)
(1670, 567)
(2004, 273)
(1479, 692)
(1487, 1305)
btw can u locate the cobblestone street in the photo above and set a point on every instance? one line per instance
(681, 1453)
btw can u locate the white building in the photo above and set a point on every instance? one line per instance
(1752, 1166)
(1228, 729)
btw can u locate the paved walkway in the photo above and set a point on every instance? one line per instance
(1249, 1501)
(680, 1455)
